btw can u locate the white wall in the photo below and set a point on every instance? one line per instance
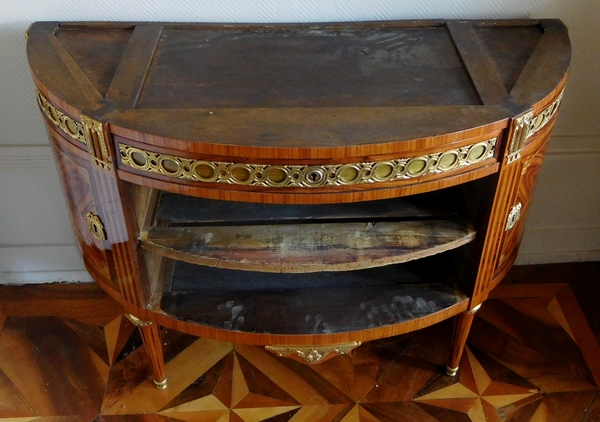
(36, 244)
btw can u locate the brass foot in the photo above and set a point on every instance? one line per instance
(161, 385)
(451, 371)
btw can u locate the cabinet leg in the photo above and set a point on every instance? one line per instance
(151, 337)
(461, 332)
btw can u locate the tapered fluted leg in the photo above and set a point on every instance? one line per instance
(461, 332)
(151, 337)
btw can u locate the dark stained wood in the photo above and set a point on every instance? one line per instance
(42, 54)
(79, 365)
(481, 70)
(87, 88)
(125, 375)
(405, 411)
(544, 63)
(305, 68)
(570, 310)
(561, 406)
(108, 47)
(355, 374)
(310, 133)
(550, 341)
(128, 78)
(418, 368)
(32, 374)
(593, 412)
(509, 48)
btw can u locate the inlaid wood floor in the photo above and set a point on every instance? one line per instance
(67, 355)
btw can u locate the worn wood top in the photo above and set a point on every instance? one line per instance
(299, 88)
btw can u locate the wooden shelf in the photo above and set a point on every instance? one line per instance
(270, 303)
(339, 238)
(308, 247)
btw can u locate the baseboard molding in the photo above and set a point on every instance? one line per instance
(557, 245)
(556, 258)
(40, 259)
(26, 156)
(41, 277)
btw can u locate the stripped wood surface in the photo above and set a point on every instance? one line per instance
(307, 247)
(306, 68)
(478, 63)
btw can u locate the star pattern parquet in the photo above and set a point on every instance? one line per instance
(531, 356)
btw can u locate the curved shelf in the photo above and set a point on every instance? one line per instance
(251, 306)
(294, 248)
(311, 238)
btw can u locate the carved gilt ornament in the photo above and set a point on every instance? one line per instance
(68, 125)
(309, 176)
(139, 323)
(526, 125)
(313, 354)
(513, 216)
(95, 226)
(87, 131)
(95, 139)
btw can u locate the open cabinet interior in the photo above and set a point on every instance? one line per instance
(307, 269)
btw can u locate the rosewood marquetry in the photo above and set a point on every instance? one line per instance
(304, 187)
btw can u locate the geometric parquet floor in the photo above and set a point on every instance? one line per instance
(66, 354)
